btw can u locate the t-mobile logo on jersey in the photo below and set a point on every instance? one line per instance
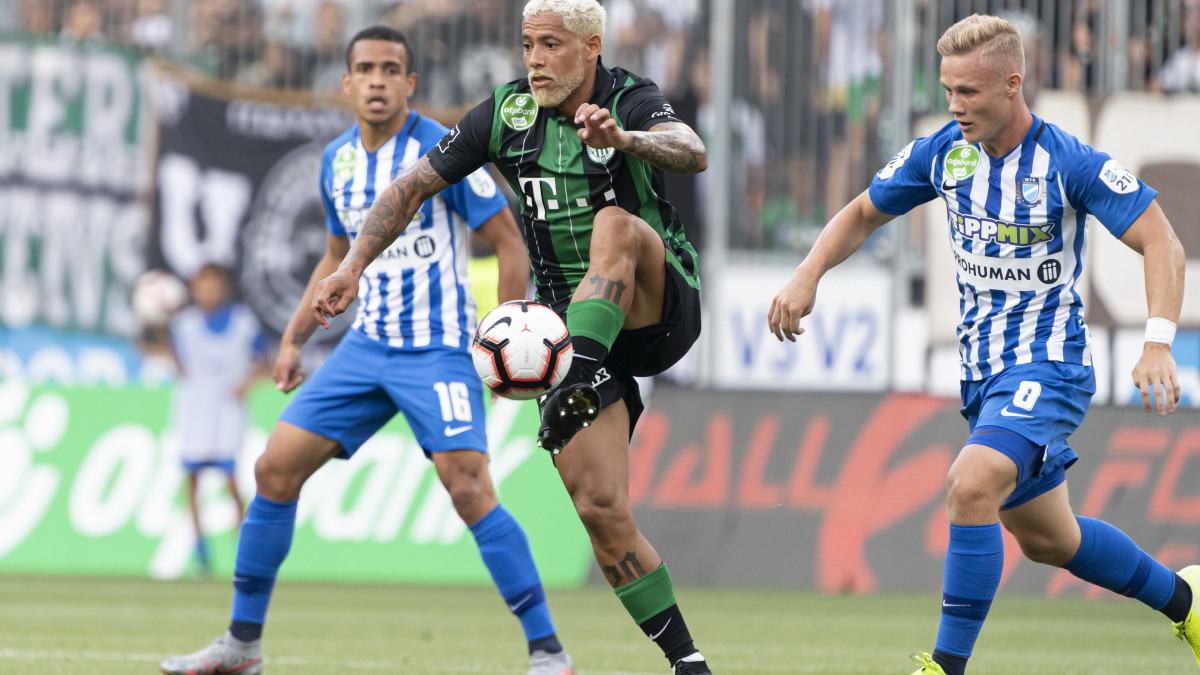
(539, 196)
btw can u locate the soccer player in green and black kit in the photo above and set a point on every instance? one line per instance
(583, 146)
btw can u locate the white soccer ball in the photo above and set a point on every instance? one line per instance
(157, 295)
(521, 350)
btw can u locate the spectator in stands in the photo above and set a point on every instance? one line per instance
(848, 33)
(277, 69)
(325, 59)
(748, 157)
(1181, 73)
(151, 30)
(82, 23)
(465, 53)
(651, 38)
(40, 17)
(228, 33)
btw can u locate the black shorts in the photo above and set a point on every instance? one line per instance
(650, 350)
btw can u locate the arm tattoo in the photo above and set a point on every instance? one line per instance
(393, 210)
(606, 289)
(672, 146)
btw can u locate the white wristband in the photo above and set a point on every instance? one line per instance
(1160, 330)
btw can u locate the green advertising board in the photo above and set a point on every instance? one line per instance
(91, 485)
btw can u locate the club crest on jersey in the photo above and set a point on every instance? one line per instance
(518, 111)
(1031, 190)
(343, 164)
(961, 162)
(600, 156)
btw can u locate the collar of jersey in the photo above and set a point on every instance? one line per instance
(405, 130)
(1030, 134)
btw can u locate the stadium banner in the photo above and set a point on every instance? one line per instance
(73, 172)
(845, 493)
(846, 339)
(92, 486)
(238, 174)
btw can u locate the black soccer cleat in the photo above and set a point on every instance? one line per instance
(691, 668)
(568, 410)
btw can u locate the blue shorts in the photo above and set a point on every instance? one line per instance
(364, 383)
(226, 465)
(1043, 402)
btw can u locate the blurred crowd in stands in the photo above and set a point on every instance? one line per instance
(811, 75)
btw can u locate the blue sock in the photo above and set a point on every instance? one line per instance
(1108, 558)
(974, 561)
(263, 543)
(505, 552)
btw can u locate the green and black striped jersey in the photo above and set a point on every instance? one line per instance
(560, 181)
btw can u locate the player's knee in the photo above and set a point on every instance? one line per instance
(275, 479)
(472, 498)
(615, 230)
(969, 492)
(599, 511)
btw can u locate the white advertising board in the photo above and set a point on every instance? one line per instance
(845, 345)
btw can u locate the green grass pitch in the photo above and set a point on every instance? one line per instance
(102, 626)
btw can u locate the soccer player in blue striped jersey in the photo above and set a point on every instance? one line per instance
(406, 352)
(1018, 191)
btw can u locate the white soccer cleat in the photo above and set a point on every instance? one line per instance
(225, 656)
(542, 662)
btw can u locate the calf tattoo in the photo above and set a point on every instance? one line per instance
(628, 565)
(606, 289)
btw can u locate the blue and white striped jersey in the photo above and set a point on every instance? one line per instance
(416, 294)
(1017, 228)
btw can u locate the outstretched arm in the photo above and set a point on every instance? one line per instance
(390, 214)
(1164, 261)
(670, 146)
(840, 238)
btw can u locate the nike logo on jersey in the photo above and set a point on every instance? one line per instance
(454, 431)
(1008, 413)
(514, 606)
(946, 187)
(511, 153)
(661, 631)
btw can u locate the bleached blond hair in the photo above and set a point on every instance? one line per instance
(581, 17)
(999, 41)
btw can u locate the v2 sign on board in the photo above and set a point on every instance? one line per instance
(845, 340)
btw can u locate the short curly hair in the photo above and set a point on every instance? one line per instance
(581, 17)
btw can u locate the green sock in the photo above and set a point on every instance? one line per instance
(595, 318)
(651, 602)
(643, 598)
(593, 324)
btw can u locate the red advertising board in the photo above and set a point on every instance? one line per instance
(846, 492)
